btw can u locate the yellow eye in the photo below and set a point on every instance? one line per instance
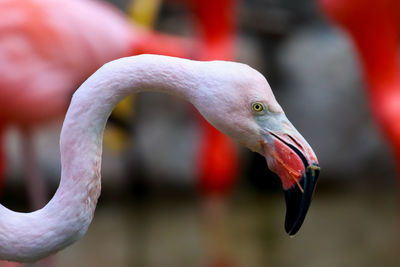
(257, 107)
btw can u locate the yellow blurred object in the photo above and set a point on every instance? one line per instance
(144, 12)
(124, 110)
(115, 139)
(116, 136)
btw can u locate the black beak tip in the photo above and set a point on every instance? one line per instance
(298, 201)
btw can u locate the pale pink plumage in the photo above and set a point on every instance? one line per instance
(48, 47)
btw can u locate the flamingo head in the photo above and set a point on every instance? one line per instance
(240, 103)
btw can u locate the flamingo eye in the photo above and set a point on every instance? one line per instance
(258, 107)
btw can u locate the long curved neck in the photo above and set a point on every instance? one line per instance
(30, 236)
(82, 132)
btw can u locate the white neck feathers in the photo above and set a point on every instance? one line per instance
(31, 236)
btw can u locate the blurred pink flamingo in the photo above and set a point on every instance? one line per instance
(47, 49)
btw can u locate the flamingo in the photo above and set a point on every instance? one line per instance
(374, 26)
(233, 97)
(47, 49)
(68, 40)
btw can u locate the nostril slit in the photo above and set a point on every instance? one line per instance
(295, 141)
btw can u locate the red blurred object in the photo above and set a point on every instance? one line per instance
(217, 161)
(374, 28)
(218, 157)
(216, 28)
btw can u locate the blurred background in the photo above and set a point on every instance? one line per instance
(155, 210)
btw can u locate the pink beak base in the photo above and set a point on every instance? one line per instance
(293, 160)
(285, 163)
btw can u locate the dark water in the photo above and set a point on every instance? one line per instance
(358, 228)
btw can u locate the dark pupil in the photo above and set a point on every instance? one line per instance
(257, 107)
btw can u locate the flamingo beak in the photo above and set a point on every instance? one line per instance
(292, 159)
(298, 199)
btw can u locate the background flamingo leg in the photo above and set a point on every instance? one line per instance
(34, 180)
